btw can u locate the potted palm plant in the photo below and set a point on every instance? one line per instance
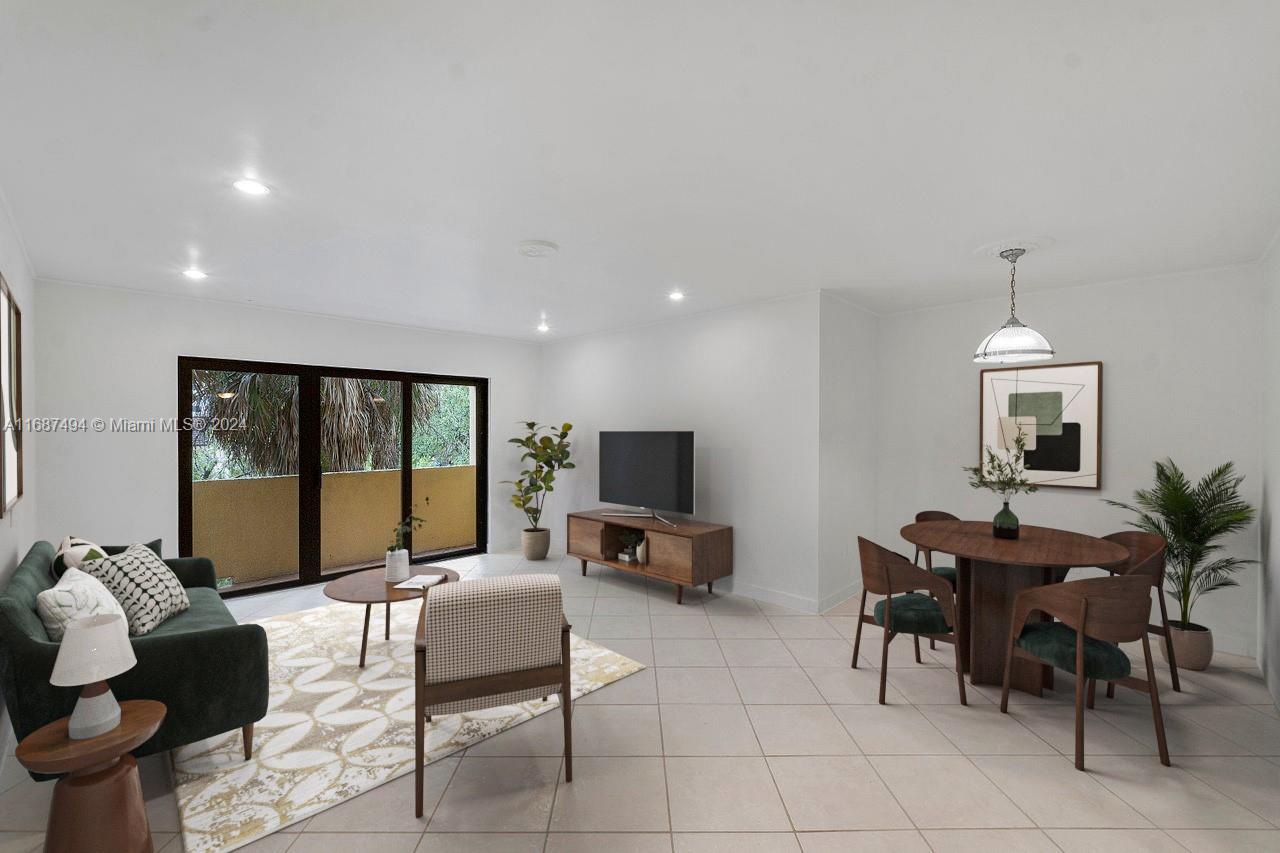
(1192, 520)
(1005, 478)
(397, 553)
(546, 451)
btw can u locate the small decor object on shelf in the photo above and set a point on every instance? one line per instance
(1005, 478)
(397, 553)
(1192, 520)
(93, 650)
(546, 451)
(631, 540)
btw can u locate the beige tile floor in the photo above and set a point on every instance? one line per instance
(750, 733)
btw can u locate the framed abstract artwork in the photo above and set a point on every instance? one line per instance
(1058, 410)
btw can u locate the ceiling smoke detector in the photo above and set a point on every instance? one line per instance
(537, 248)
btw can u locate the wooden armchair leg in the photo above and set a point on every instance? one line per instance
(1111, 690)
(1093, 686)
(916, 638)
(1008, 673)
(1080, 690)
(857, 632)
(932, 647)
(964, 699)
(1168, 646)
(419, 726)
(566, 710)
(247, 734)
(1156, 714)
(884, 660)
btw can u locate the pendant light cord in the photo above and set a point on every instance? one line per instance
(1013, 293)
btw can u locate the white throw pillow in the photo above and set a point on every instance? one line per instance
(73, 553)
(75, 596)
(146, 588)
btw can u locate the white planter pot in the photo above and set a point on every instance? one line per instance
(397, 566)
(535, 541)
(1193, 647)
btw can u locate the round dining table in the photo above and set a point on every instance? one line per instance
(990, 572)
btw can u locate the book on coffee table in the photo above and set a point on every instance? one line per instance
(420, 582)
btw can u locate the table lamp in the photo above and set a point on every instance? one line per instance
(93, 650)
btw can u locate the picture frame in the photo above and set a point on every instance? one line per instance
(1058, 410)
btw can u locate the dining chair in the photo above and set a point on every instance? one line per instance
(490, 642)
(948, 572)
(1094, 616)
(903, 610)
(1146, 557)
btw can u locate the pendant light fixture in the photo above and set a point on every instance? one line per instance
(1013, 342)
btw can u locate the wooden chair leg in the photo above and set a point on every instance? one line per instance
(884, 661)
(932, 647)
(1093, 686)
(916, 638)
(1156, 714)
(964, 699)
(1111, 690)
(857, 632)
(1008, 675)
(387, 635)
(1080, 690)
(419, 726)
(1168, 646)
(566, 705)
(246, 732)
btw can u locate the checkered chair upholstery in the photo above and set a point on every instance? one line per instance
(488, 627)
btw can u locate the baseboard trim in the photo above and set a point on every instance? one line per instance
(849, 591)
(773, 596)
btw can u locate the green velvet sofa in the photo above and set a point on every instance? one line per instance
(210, 672)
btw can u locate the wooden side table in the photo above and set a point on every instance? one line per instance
(99, 805)
(371, 587)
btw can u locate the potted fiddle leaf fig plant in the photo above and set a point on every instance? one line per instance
(1192, 520)
(546, 451)
(397, 553)
(1005, 477)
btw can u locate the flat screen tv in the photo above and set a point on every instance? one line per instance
(652, 470)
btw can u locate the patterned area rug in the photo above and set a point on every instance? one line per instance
(333, 730)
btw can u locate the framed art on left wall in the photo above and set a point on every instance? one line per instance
(1058, 410)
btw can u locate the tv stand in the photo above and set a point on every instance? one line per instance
(690, 554)
(653, 513)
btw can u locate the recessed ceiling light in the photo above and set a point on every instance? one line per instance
(542, 323)
(249, 186)
(537, 248)
(195, 274)
(676, 295)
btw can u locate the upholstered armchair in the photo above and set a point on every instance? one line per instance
(490, 642)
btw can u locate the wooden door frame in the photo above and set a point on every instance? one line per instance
(310, 475)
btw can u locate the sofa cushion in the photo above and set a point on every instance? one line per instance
(1055, 643)
(148, 589)
(207, 611)
(913, 613)
(76, 595)
(73, 553)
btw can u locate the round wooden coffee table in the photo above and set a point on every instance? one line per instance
(99, 805)
(371, 587)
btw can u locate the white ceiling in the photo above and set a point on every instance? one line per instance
(739, 150)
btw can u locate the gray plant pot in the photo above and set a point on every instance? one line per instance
(536, 542)
(1193, 646)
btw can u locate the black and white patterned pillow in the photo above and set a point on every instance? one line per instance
(146, 588)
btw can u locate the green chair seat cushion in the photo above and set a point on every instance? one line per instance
(913, 613)
(947, 573)
(1055, 643)
(206, 611)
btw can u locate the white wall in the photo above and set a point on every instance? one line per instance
(745, 379)
(17, 528)
(1269, 601)
(113, 353)
(1182, 360)
(847, 443)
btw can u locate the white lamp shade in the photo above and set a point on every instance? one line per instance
(1013, 343)
(93, 649)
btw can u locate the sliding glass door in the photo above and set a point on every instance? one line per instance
(293, 473)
